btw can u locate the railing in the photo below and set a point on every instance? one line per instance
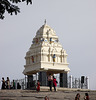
(82, 83)
(72, 82)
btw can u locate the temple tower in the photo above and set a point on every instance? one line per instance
(46, 55)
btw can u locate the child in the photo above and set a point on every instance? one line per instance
(77, 96)
(86, 97)
(38, 86)
(46, 98)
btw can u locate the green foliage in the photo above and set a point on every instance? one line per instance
(7, 5)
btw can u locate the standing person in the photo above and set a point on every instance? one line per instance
(13, 84)
(50, 80)
(77, 96)
(3, 83)
(86, 97)
(38, 86)
(54, 83)
(18, 86)
(8, 83)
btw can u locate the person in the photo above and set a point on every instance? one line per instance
(50, 80)
(7, 83)
(86, 97)
(46, 98)
(18, 86)
(54, 83)
(3, 83)
(38, 86)
(13, 84)
(77, 96)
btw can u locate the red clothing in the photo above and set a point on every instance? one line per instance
(86, 98)
(54, 81)
(38, 86)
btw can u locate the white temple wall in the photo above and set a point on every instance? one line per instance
(30, 60)
(39, 57)
(65, 59)
(42, 57)
(46, 60)
(26, 61)
(59, 59)
(36, 58)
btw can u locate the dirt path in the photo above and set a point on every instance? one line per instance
(33, 95)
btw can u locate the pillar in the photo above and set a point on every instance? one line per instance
(82, 81)
(76, 83)
(43, 78)
(25, 82)
(70, 81)
(87, 82)
(63, 80)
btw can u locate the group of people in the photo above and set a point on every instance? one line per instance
(86, 97)
(6, 84)
(52, 82)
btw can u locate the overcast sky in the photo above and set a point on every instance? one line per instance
(74, 22)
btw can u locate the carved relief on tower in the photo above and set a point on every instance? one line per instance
(62, 55)
(42, 55)
(27, 60)
(48, 57)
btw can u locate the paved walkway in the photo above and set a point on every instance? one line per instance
(61, 94)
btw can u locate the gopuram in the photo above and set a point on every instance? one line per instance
(46, 56)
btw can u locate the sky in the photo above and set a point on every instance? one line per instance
(74, 22)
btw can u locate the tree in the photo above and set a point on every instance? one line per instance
(8, 5)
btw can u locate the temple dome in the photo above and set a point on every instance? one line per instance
(46, 30)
